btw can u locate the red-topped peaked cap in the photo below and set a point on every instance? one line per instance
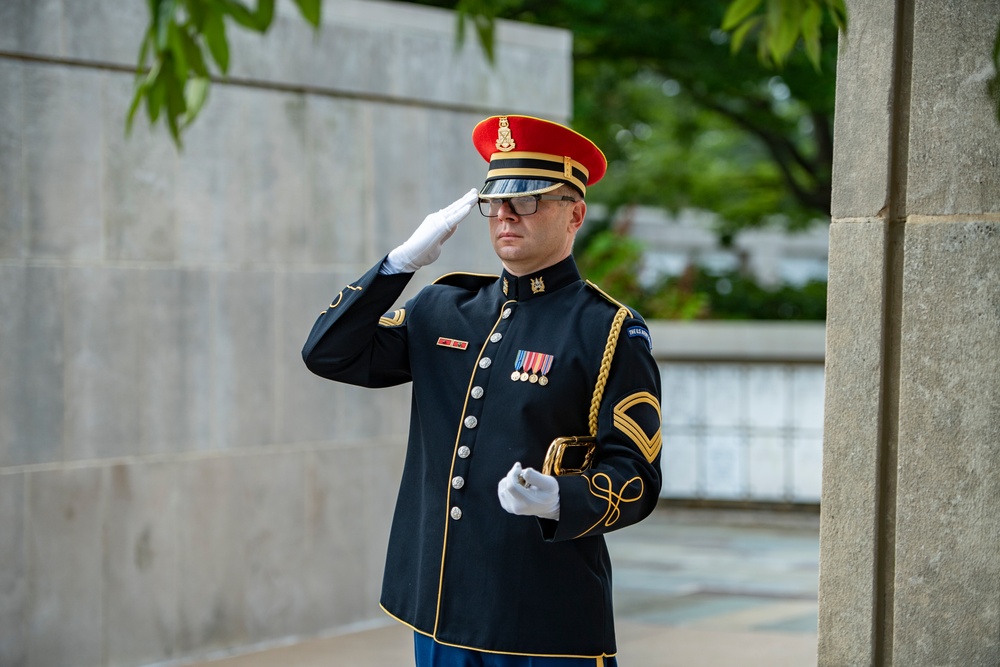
(530, 156)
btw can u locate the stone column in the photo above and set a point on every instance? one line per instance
(910, 532)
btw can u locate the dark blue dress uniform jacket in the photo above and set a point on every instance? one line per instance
(459, 568)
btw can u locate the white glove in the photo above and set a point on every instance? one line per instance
(424, 245)
(529, 493)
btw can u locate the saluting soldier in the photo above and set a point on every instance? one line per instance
(535, 419)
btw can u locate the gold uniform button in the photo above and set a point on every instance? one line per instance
(477, 392)
(457, 483)
(485, 362)
(506, 313)
(495, 338)
(464, 452)
(471, 422)
(456, 513)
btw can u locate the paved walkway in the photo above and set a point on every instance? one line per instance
(693, 588)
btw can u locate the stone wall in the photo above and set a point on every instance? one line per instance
(910, 531)
(172, 480)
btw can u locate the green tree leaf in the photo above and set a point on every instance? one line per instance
(175, 41)
(243, 15)
(311, 11)
(838, 13)
(812, 20)
(195, 94)
(737, 13)
(215, 39)
(265, 14)
(174, 44)
(740, 33)
(156, 93)
(192, 55)
(163, 18)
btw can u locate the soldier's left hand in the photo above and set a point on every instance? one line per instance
(528, 492)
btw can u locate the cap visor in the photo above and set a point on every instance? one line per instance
(514, 187)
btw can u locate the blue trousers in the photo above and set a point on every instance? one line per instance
(431, 654)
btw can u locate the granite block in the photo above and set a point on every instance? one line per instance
(399, 145)
(954, 156)
(310, 408)
(243, 364)
(384, 466)
(62, 161)
(337, 564)
(138, 181)
(64, 534)
(85, 33)
(269, 515)
(205, 167)
(947, 584)
(277, 189)
(265, 191)
(13, 238)
(178, 315)
(851, 442)
(863, 120)
(104, 361)
(210, 560)
(413, 54)
(13, 572)
(32, 364)
(374, 414)
(341, 184)
(140, 564)
(26, 26)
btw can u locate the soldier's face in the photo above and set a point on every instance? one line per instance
(527, 243)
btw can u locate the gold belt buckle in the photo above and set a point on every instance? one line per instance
(580, 451)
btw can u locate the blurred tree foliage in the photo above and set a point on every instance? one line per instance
(614, 261)
(685, 116)
(689, 119)
(173, 75)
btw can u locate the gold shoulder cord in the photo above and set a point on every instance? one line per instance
(602, 376)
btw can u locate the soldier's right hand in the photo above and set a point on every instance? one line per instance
(424, 245)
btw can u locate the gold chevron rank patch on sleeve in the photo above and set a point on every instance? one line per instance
(638, 417)
(393, 319)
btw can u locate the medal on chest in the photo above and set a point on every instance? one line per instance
(532, 367)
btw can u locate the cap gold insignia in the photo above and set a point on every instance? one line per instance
(505, 142)
(537, 285)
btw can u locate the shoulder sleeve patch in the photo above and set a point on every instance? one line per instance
(470, 281)
(393, 319)
(639, 331)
